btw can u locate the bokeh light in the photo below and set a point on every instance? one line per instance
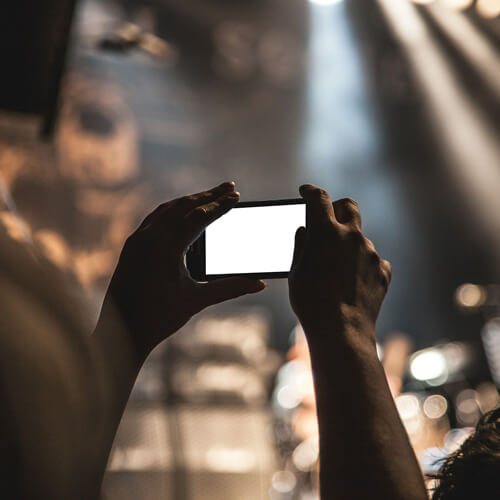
(429, 365)
(435, 406)
(325, 2)
(408, 406)
(488, 8)
(469, 295)
(283, 481)
(459, 4)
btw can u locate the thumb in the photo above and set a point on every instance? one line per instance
(300, 240)
(221, 290)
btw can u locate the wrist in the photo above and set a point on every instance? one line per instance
(346, 327)
(113, 332)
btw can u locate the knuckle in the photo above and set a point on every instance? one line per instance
(199, 212)
(369, 245)
(374, 257)
(323, 193)
(349, 202)
(183, 203)
(318, 193)
(386, 271)
(386, 280)
(356, 237)
(387, 267)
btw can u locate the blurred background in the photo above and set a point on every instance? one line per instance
(110, 107)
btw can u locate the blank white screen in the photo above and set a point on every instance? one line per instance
(253, 239)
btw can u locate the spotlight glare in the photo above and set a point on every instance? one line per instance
(324, 2)
(435, 406)
(459, 4)
(470, 296)
(428, 365)
(408, 406)
(488, 8)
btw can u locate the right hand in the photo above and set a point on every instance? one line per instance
(337, 275)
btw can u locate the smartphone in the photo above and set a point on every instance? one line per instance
(255, 239)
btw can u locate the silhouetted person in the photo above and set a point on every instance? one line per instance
(63, 392)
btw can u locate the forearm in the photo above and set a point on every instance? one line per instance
(120, 364)
(364, 448)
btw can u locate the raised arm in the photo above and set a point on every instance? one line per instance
(337, 285)
(151, 294)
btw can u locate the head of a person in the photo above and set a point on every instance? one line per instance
(473, 471)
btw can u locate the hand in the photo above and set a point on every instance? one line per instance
(336, 273)
(151, 287)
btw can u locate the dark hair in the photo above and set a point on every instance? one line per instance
(473, 471)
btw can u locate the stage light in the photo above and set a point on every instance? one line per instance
(480, 53)
(408, 406)
(234, 460)
(337, 124)
(306, 454)
(288, 397)
(467, 408)
(435, 406)
(470, 296)
(325, 2)
(429, 365)
(487, 396)
(458, 4)
(491, 341)
(284, 482)
(467, 141)
(488, 8)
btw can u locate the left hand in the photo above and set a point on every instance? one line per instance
(151, 287)
(337, 276)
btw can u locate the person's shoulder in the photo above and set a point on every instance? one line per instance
(46, 365)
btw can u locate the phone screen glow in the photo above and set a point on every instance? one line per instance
(253, 239)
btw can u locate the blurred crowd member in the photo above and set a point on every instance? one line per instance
(473, 470)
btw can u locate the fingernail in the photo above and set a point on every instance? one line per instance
(228, 185)
(234, 194)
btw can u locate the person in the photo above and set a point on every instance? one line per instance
(63, 392)
(337, 285)
(472, 470)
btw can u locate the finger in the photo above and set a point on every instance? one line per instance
(387, 270)
(298, 250)
(319, 208)
(347, 212)
(200, 217)
(187, 203)
(369, 244)
(183, 205)
(221, 290)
